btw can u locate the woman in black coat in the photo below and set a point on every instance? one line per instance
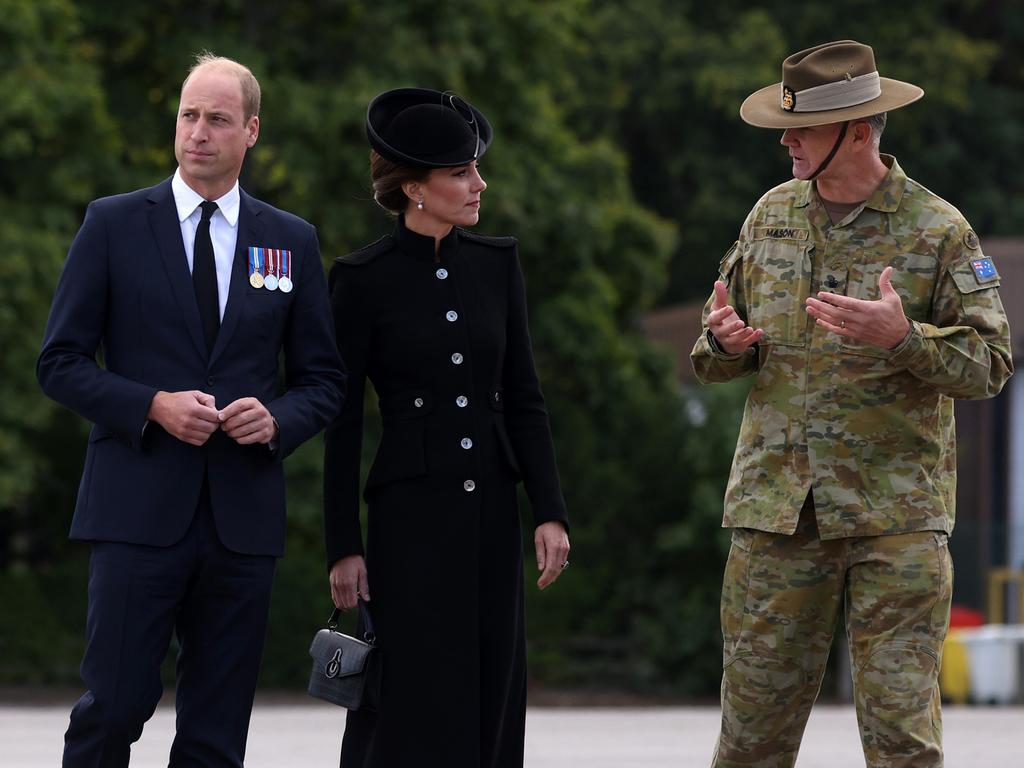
(435, 317)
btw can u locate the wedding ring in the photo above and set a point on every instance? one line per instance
(565, 565)
(842, 323)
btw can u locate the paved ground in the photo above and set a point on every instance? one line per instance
(307, 733)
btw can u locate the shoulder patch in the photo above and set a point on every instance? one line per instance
(971, 240)
(499, 242)
(780, 233)
(984, 269)
(369, 253)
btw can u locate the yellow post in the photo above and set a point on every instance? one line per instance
(998, 580)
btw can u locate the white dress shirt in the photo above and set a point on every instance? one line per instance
(223, 230)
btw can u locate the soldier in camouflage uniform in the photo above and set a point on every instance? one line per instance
(863, 305)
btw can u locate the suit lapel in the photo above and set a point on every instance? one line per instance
(250, 230)
(163, 220)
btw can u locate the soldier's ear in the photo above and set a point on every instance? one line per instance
(861, 132)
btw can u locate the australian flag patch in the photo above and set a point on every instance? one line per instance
(984, 270)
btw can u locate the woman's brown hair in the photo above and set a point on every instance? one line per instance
(388, 178)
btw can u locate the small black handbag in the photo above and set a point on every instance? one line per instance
(346, 670)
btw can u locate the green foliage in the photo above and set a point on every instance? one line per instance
(619, 162)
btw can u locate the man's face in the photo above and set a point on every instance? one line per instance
(212, 134)
(808, 147)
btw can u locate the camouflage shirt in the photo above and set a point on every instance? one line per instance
(869, 430)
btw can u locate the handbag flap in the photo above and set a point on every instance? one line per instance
(338, 655)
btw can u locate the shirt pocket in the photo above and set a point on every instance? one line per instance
(913, 278)
(777, 276)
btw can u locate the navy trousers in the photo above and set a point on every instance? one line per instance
(216, 602)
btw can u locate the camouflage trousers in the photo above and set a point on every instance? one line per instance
(780, 604)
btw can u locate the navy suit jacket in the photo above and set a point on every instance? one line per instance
(126, 292)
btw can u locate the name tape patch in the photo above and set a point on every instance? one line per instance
(780, 233)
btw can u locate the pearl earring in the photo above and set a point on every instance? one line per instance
(419, 205)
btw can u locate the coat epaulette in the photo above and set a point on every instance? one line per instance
(498, 242)
(368, 253)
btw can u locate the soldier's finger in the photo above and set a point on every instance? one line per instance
(837, 300)
(721, 295)
(720, 315)
(834, 328)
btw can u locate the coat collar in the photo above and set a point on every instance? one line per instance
(421, 247)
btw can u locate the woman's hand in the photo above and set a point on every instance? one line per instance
(552, 543)
(348, 582)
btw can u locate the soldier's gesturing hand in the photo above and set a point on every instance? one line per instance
(880, 323)
(732, 334)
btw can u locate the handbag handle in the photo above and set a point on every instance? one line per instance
(369, 635)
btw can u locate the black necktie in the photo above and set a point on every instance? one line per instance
(204, 277)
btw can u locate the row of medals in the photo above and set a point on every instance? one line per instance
(271, 282)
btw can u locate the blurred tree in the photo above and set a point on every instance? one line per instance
(58, 141)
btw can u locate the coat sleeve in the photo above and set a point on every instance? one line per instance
(526, 418)
(344, 439)
(67, 368)
(965, 351)
(314, 377)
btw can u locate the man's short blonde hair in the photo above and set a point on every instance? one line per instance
(250, 85)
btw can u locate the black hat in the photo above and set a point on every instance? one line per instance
(424, 128)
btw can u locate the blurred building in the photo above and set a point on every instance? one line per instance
(989, 531)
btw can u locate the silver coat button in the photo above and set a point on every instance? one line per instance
(466, 443)
(442, 273)
(452, 315)
(457, 358)
(418, 402)
(462, 401)
(469, 485)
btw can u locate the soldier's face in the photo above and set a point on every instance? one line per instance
(808, 147)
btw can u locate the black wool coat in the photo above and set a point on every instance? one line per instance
(444, 340)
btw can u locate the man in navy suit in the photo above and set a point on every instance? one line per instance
(190, 290)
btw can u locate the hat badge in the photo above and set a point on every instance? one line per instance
(788, 98)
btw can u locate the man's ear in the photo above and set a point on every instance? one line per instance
(862, 133)
(253, 129)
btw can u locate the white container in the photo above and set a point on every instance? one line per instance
(993, 653)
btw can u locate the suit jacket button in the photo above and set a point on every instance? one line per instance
(209, 381)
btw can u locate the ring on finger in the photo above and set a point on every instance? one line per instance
(842, 323)
(565, 564)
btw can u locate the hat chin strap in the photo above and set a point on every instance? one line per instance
(832, 154)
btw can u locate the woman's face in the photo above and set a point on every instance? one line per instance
(450, 196)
